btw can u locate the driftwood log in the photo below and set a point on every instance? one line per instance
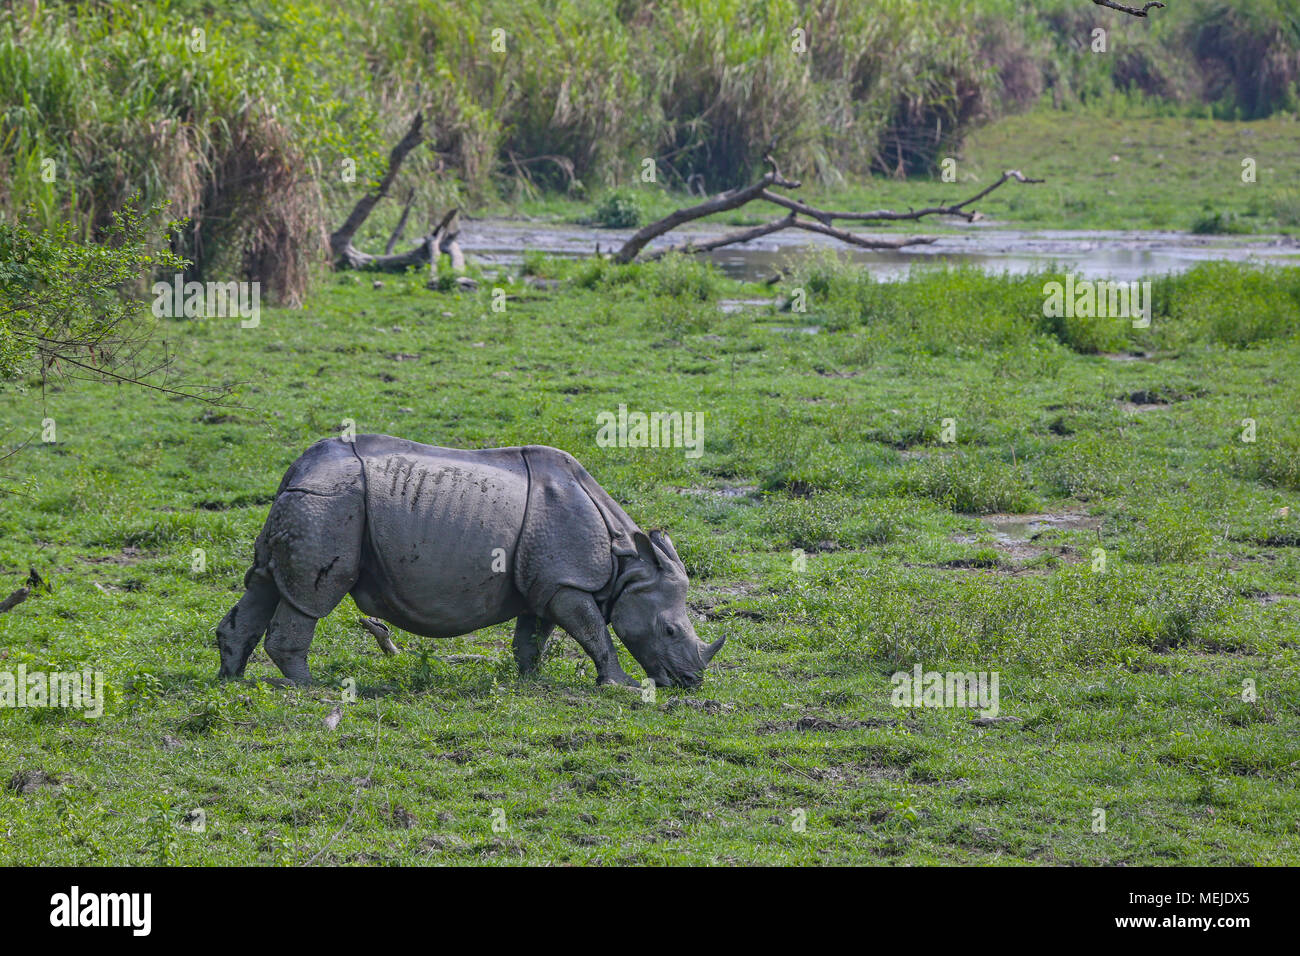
(816, 220)
(443, 239)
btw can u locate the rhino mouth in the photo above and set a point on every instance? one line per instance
(688, 679)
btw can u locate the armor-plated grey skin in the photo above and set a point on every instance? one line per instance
(442, 542)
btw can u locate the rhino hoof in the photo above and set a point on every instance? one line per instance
(618, 680)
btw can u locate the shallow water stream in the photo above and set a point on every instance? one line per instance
(1115, 255)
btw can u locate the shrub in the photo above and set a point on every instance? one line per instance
(976, 486)
(618, 210)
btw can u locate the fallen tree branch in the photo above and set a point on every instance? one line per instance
(730, 239)
(401, 224)
(442, 240)
(826, 217)
(823, 219)
(33, 581)
(854, 239)
(719, 203)
(1131, 11)
(15, 599)
(341, 238)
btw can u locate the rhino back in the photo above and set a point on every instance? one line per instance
(442, 527)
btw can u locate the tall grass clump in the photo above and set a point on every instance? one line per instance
(155, 116)
(1273, 460)
(971, 485)
(249, 124)
(1229, 304)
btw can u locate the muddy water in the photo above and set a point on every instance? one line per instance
(1118, 256)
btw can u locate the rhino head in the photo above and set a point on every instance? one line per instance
(649, 614)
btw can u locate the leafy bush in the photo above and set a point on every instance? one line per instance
(682, 277)
(68, 303)
(1169, 533)
(1272, 460)
(1220, 224)
(618, 210)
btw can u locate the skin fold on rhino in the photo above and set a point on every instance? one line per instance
(442, 542)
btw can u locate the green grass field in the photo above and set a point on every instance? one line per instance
(824, 436)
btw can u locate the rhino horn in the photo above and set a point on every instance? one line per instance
(713, 648)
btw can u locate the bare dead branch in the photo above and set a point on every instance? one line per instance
(730, 239)
(442, 240)
(826, 217)
(823, 219)
(1131, 11)
(423, 253)
(401, 224)
(341, 239)
(719, 203)
(854, 239)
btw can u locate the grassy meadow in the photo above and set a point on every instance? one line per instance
(830, 531)
(1103, 169)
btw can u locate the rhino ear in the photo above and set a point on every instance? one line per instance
(645, 549)
(661, 540)
(642, 572)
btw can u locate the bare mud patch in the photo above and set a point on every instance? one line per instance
(1012, 529)
(810, 723)
(1138, 408)
(126, 557)
(1021, 538)
(729, 306)
(29, 781)
(713, 707)
(724, 492)
(1268, 598)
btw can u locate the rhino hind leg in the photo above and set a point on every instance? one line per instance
(531, 636)
(246, 622)
(307, 558)
(288, 637)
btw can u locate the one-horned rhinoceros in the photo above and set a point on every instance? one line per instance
(441, 542)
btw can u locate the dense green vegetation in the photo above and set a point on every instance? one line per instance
(69, 304)
(823, 432)
(244, 115)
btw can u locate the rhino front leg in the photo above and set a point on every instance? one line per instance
(287, 639)
(577, 613)
(531, 636)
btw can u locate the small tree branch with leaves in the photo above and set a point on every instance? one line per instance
(68, 305)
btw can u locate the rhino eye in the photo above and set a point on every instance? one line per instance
(670, 630)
